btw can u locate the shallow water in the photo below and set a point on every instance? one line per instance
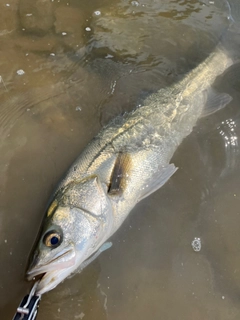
(65, 71)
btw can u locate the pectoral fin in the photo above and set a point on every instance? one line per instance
(157, 181)
(120, 174)
(104, 247)
(215, 101)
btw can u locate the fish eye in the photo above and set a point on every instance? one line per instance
(52, 239)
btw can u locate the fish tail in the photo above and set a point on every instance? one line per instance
(234, 14)
(230, 39)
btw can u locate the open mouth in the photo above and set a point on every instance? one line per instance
(54, 272)
(51, 279)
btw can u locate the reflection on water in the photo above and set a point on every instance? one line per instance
(66, 68)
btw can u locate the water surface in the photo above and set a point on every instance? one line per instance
(67, 68)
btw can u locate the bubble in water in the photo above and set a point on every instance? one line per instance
(135, 3)
(196, 244)
(20, 72)
(97, 13)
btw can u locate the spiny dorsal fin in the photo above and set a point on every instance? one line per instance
(120, 173)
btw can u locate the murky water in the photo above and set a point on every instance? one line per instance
(66, 68)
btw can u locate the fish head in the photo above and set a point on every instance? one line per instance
(76, 225)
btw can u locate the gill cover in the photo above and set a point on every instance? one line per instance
(88, 195)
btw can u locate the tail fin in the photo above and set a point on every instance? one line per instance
(234, 14)
(230, 40)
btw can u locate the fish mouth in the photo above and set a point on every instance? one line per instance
(54, 271)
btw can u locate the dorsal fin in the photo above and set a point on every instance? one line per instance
(120, 174)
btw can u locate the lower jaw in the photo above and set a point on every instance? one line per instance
(51, 279)
(42, 287)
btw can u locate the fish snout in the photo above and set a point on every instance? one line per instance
(33, 261)
(62, 260)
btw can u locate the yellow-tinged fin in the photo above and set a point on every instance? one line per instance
(120, 173)
(52, 208)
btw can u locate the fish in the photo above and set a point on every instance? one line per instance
(126, 162)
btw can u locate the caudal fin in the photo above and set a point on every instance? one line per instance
(234, 14)
(230, 39)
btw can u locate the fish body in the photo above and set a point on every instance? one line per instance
(143, 142)
(128, 160)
